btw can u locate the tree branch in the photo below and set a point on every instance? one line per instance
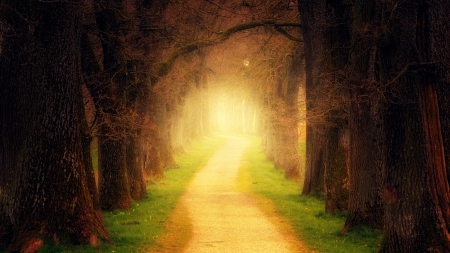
(165, 67)
(287, 34)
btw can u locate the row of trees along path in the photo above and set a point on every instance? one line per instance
(144, 78)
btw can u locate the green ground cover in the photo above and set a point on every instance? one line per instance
(321, 232)
(139, 228)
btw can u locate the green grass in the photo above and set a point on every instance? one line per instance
(137, 229)
(318, 230)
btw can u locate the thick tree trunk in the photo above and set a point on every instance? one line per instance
(43, 178)
(138, 100)
(109, 153)
(315, 161)
(292, 168)
(337, 54)
(366, 109)
(135, 167)
(313, 27)
(336, 170)
(440, 47)
(114, 189)
(366, 160)
(416, 187)
(113, 185)
(154, 165)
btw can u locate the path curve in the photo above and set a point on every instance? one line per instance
(223, 219)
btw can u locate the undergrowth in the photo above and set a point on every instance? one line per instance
(320, 232)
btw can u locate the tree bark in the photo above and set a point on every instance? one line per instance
(336, 59)
(43, 178)
(336, 170)
(135, 167)
(416, 183)
(366, 161)
(366, 110)
(313, 21)
(86, 139)
(114, 189)
(163, 127)
(315, 169)
(154, 165)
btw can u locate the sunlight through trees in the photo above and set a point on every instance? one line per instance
(133, 82)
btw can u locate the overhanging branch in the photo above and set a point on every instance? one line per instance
(287, 34)
(165, 67)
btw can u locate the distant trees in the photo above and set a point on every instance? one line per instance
(280, 112)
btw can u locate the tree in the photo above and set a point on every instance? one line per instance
(313, 27)
(114, 186)
(365, 120)
(337, 54)
(43, 179)
(282, 117)
(414, 56)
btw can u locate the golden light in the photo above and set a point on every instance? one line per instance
(246, 62)
(231, 112)
(222, 114)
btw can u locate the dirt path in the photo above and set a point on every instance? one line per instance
(223, 219)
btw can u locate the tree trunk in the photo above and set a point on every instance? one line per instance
(205, 110)
(286, 117)
(43, 178)
(163, 131)
(86, 139)
(315, 169)
(109, 153)
(416, 186)
(366, 109)
(270, 124)
(366, 161)
(313, 28)
(437, 50)
(336, 170)
(113, 179)
(135, 167)
(113, 186)
(153, 162)
(336, 59)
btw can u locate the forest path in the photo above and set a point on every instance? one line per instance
(224, 219)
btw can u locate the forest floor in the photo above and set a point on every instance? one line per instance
(222, 218)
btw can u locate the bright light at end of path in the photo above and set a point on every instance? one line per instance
(222, 115)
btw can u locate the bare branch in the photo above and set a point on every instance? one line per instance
(165, 67)
(287, 34)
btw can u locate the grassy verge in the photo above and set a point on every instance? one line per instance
(144, 226)
(319, 231)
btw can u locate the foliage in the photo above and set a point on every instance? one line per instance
(321, 232)
(138, 228)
